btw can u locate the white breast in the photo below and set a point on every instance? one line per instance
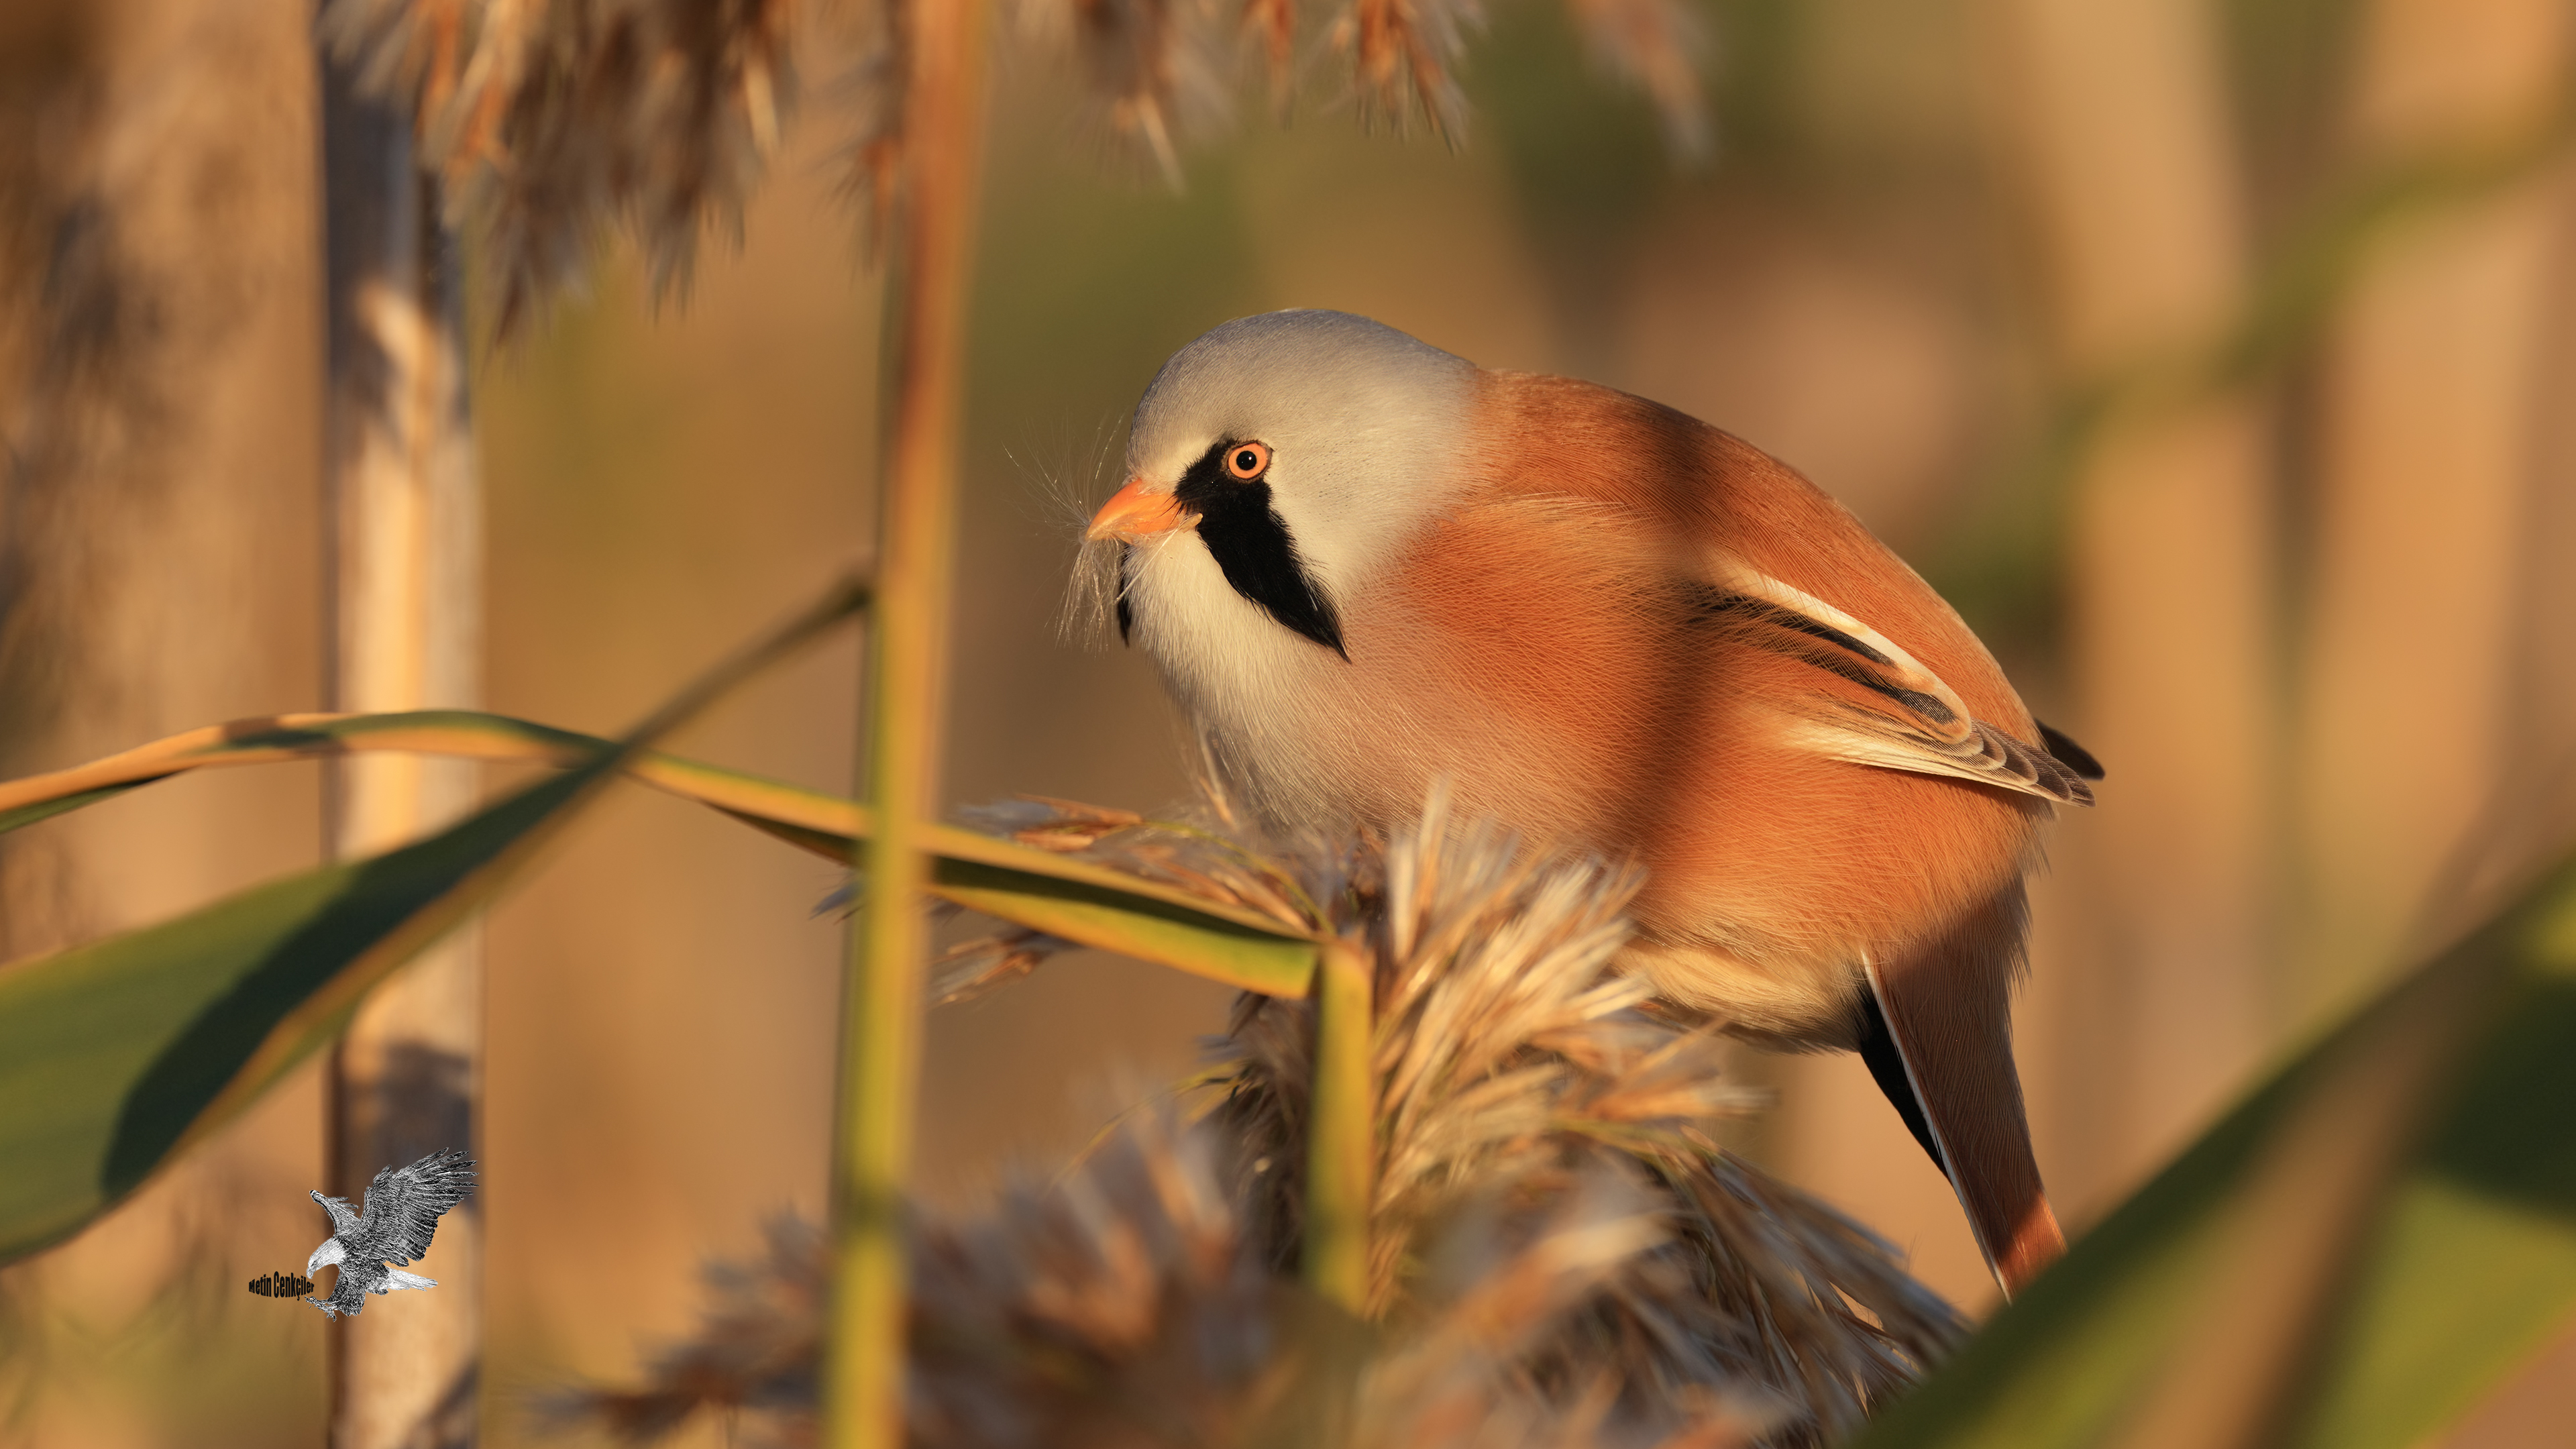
(1266, 702)
(1308, 740)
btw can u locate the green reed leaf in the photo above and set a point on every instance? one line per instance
(118, 1054)
(2352, 1257)
(1065, 897)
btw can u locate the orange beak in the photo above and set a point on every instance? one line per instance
(1132, 513)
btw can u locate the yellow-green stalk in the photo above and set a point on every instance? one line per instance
(1340, 1150)
(880, 1042)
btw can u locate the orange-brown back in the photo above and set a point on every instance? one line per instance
(1699, 482)
(1557, 587)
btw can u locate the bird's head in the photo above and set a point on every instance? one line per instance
(329, 1253)
(1282, 459)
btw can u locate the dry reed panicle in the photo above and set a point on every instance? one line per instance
(1403, 54)
(756, 1347)
(1153, 66)
(1153, 70)
(1270, 28)
(550, 119)
(1563, 1256)
(1512, 1064)
(874, 87)
(1656, 45)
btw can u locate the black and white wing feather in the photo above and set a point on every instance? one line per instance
(1909, 719)
(404, 1204)
(343, 1217)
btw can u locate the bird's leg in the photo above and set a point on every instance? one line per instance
(1946, 1010)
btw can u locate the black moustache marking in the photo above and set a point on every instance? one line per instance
(1251, 544)
(1126, 611)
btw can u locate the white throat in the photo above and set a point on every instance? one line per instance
(1365, 425)
(1367, 430)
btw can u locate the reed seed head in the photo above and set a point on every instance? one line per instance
(548, 120)
(1655, 45)
(1404, 54)
(1562, 1255)
(551, 121)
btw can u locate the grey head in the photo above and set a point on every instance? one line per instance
(1360, 424)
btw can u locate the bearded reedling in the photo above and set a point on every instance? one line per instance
(1363, 564)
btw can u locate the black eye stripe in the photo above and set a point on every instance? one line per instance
(1126, 580)
(1250, 542)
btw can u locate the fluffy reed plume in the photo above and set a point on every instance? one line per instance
(1562, 1255)
(1120, 1305)
(1511, 1063)
(1404, 53)
(1152, 69)
(755, 1349)
(1270, 27)
(874, 87)
(550, 119)
(1656, 45)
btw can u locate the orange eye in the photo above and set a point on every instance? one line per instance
(1247, 461)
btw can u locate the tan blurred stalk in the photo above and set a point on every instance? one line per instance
(159, 381)
(2115, 114)
(2433, 423)
(404, 580)
(941, 180)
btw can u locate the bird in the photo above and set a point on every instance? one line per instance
(1365, 567)
(402, 1211)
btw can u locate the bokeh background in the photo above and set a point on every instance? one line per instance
(2217, 357)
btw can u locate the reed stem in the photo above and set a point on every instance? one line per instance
(403, 560)
(1340, 1150)
(906, 704)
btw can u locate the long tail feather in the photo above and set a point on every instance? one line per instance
(1947, 1012)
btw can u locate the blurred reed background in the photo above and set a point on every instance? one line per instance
(2218, 359)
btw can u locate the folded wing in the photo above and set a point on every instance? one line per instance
(1875, 704)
